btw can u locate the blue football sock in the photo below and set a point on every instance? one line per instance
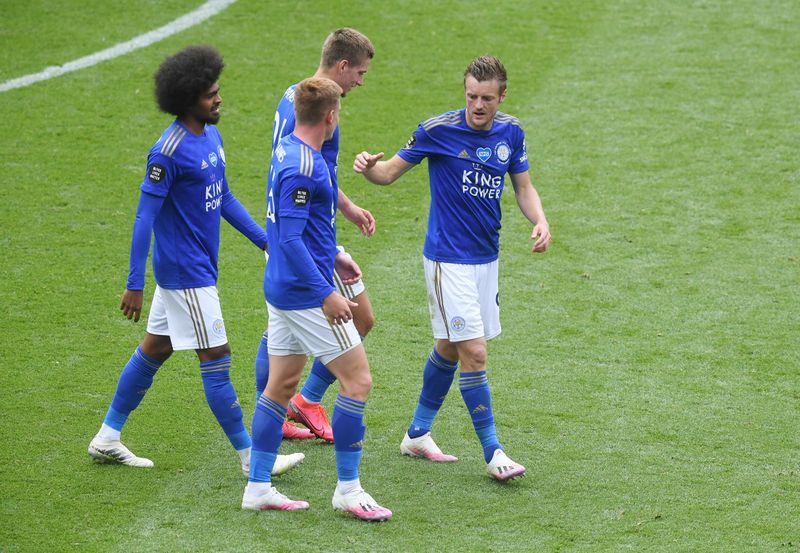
(348, 436)
(436, 380)
(134, 381)
(221, 397)
(475, 391)
(262, 366)
(267, 436)
(318, 381)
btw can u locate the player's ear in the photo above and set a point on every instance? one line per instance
(342, 65)
(503, 96)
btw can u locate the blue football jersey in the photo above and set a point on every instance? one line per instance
(300, 187)
(284, 125)
(467, 173)
(188, 171)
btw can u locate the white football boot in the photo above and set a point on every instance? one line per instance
(424, 447)
(115, 452)
(502, 468)
(283, 464)
(269, 499)
(361, 504)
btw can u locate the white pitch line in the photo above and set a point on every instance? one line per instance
(210, 8)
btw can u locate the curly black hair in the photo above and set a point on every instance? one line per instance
(183, 77)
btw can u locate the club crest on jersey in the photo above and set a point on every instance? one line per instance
(221, 153)
(212, 157)
(483, 153)
(156, 173)
(300, 196)
(458, 324)
(502, 151)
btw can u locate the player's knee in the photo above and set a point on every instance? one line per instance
(357, 386)
(282, 389)
(473, 355)
(211, 354)
(156, 347)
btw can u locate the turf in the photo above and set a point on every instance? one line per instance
(647, 370)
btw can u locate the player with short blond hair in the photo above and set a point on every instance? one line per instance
(306, 313)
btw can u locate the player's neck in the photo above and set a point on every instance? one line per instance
(326, 73)
(314, 135)
(195, 127)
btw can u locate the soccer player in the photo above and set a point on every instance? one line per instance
(306, 313)
(346, 55)
(469, 152)
(183, 195)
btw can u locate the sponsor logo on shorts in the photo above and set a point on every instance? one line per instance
(218, 327)
(458, 324)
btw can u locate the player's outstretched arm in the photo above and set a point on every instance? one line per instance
(531, 206)
(380, 172)
(360, 217)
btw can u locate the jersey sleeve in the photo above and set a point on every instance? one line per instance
(417, 148)
(149, 206)
(519, 154)
(295, 200)
(161, 173)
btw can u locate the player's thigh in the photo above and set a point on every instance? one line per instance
(363, 316)
(352, 370)
(193, 318)
(453, 301)
(284, 375)
(313, 333)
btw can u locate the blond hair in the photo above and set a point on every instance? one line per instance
(314, 98)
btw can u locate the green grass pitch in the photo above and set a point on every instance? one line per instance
(647, 374)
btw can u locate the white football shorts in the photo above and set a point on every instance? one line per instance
(349, 291)
(308, 332)
(191, 317)
(463, 300)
